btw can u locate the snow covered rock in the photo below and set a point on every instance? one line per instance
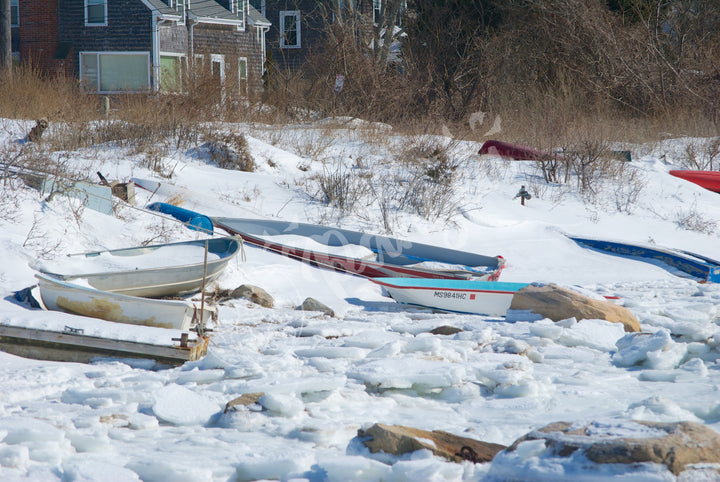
(678, 446)
(398, 440)
(557, 303)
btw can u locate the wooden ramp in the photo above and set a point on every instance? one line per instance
(73, 346)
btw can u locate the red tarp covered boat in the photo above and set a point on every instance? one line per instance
(514, 151)
(708, 179)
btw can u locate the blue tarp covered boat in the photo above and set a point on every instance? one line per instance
(682, 263)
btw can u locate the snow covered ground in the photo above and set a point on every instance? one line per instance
(375, 362)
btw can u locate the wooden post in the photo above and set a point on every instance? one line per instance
(201, 323)
(5, 39)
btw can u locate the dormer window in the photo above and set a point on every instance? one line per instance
(236, 6)
(178, 5)
(259, 6)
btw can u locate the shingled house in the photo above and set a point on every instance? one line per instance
(298, 26)
(143, 45)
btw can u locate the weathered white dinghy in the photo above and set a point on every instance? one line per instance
(73, 298)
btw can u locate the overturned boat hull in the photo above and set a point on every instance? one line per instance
(393, 257)
(682, 263)
(710, 180)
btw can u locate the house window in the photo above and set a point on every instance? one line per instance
(259, 5)
(377, 11)
(14, 13)
(172, 73)
(242, 76)
(96, 12)
(290, 29)
(217, 68)
(115, 71)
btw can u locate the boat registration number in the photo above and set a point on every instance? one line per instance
(450, 295)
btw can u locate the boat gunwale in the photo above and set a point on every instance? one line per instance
(439, 288)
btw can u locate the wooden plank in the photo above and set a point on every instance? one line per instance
(53, 345)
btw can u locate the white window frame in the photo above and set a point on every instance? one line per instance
(262, 7)
(198, 61)
(220, 59)
(289, 13)
(179, 6)
(105, 15)
(183, 68)
(14, 5)
(99, 74)
(377, 10)
(241, 79)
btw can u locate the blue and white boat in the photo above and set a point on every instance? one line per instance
(458, 296)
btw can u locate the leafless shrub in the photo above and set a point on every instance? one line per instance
(629, 185)
(431, 199)
(431, 158)
(338, 187)
(315, 144)
(154, 158)
(39, 241)
(229, 150)
(162, 231)
(702, 155)
(9, 205)
(694, 220)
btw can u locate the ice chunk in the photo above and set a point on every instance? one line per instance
(408, 373)
(275, 466)
(349, 467)
(656, 350)
(180, 406)
(285, 404)
(200, 376)
(598, 334)
(14, 456)
(81, 470)
(157, 469)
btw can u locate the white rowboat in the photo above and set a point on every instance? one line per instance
(459, 296)
(72, 298)
(149, 271)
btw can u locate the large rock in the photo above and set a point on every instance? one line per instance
(398, 440)
(255, 294)
(311, 304)
(557, 303)
(674, 445)
(245, 400)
